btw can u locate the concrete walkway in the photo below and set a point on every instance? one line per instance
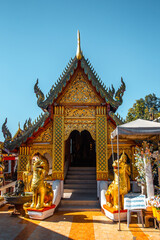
(73, 226)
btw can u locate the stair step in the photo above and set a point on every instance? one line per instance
(80, 202)
(78, 208)
(80, 190)
(82, 172)
(83, 168)
(77, 185)
(79, 196)
(80, 181)
(84, 177)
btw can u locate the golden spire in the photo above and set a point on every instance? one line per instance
(79, 52)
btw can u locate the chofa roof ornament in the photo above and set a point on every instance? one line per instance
(6, 133)
(79, 52)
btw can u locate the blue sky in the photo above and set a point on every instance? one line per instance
(38, 38)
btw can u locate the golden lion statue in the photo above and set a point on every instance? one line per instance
(112, 192)
(42, 191)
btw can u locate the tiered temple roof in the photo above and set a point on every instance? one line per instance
(29, 128)
(110, 96)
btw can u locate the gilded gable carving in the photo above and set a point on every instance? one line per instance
(41, 149)
(80, 91)
(79, 112)
(79, 125)
(80, 119)
(45, 136)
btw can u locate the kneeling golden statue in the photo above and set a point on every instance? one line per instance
(112, 192)
(42, 191)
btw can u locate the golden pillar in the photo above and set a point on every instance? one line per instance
(58, 143)
(23, 159)
(101, 143)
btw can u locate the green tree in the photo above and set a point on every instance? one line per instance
(147, 108)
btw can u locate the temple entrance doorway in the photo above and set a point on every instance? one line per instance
(80, 184)
(81, 149)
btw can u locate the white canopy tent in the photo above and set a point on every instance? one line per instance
(136, 130)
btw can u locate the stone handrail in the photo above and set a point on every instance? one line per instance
(5, 187)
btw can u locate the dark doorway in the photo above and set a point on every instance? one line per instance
(82, 149)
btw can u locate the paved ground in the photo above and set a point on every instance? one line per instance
(72, 226)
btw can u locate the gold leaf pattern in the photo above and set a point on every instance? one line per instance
(80, 125)
(45, 136)
(80, 91)
(79, 112)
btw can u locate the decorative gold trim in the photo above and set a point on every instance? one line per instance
(101, 143)
(80, 126)
(58, 143)
(80, 112)
(58, 175)
(23, 158)
(42, 149)
(46, 136)
(102, 176)
(20, 175)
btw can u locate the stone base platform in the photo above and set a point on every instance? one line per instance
(113, 214)
(40, 214)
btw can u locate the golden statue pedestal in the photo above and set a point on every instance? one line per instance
(111, 213)
(40, 214)
(122, 182)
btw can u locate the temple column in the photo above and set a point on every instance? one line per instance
(23, 158)
(101, 144)
(58, 143)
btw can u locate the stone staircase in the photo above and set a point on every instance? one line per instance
(80, 190)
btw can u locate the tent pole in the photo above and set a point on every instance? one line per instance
(112, 150)
(119, 225)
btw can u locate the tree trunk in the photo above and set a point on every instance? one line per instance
(149, 178)
(143, 189)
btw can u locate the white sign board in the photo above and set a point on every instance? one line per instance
(134, 202)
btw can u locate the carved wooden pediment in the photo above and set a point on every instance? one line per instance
(80, 112)
(46, 136)
(80, 91)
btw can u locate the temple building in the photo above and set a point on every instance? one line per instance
(79, 114)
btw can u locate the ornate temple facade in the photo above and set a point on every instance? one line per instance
(74, 129)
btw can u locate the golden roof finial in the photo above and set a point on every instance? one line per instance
(79, 52)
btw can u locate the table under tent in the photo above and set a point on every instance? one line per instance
(137, 130)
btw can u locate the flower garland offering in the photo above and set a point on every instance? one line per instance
(154, 202)
(145, 152)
